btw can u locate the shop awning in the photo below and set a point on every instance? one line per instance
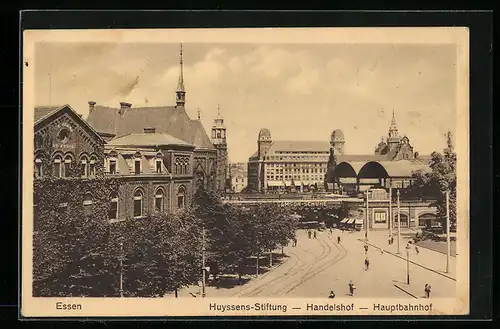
(275, 183)
(351, 221)
(343, 221)
(359, 221)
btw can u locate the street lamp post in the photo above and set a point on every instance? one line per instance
(390, 207)
(121, 269)
(203, 294)
(407, 264)
(448, 232)
(399, 224)
(367, 221)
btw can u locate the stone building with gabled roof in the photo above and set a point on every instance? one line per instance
(126, 120)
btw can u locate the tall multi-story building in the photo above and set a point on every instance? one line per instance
(220, 144)
(280, 165)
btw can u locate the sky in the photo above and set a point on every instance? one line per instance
(297, 91)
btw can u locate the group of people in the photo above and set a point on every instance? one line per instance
(313, 233)
(352, 288)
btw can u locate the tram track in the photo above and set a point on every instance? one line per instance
(326, 251)
(293, 285)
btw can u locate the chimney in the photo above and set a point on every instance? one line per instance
(149, 130)
(91, 106)
(123, 107)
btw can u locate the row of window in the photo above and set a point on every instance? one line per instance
(63, 167)
(295, 157)
(219, 133)
(288, 177)
(300, 170)
(302, 152)
(112, 166)
(138, 203)
(296, 165)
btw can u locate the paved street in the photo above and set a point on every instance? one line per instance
(317, 266)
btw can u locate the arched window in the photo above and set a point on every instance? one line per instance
(58, 166)
(112, 166)
(38, 168)
(113, 209)
(88, 205)
(67, 166)
(159, 165)
(159, 197)
(218, 133)
(85, 165)
(223, 134)
(92, 164)
(138, 203)
(181, 196)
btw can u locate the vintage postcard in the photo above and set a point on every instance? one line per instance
(245, 172)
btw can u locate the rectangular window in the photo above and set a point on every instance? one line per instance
(112, 167)
(84, 168)
(57, 168)
(180, 201)
(158, 166)
(159, 203)
(67, 168)
(213, 133)
(87, 208)
(137, 167)
(137, 207)
(92, 168)
(38, 168)
(113, 210)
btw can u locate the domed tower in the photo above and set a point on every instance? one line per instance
(264, 142)
(337, 141)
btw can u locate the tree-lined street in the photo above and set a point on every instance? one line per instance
(317, 266)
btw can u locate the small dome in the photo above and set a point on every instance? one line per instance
(264, 134)
(337, 135)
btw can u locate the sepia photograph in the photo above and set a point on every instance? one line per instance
(245, 172)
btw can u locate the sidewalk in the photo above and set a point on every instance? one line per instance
(426, 258)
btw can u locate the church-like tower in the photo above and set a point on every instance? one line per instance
(393, 139)
(220, 144)
(180, 93)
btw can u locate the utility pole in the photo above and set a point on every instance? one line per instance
(390, 206)
(367, 222)
(203, 294)
(399, 223)
(448, 251)
(121, 269)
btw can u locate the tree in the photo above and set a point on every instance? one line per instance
(442, 178)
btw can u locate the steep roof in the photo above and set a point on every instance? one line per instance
(148, 139)
(44, 113)
(170, 120)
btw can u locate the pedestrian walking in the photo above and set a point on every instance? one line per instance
(338, 240)
(315, 234)
(367, 264)
(352, 288)
(332, 294)
(381, 251)
(309, 234)
(331, 230)
(427, 289)
(392, 239)
(416, 250)
(366, 249)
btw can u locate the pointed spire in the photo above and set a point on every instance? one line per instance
(393, 122)
(218, 110)
(181, 92)
(393, 130)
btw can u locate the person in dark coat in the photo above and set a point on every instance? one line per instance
(338, 240)
(367, 264)
(332, 294)
(366, 249)
(427, 290)
(314, 234)
(352, 288)
(309, 234)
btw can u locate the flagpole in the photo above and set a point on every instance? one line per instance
(390, 206)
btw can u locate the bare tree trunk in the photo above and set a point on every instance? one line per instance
(257, 265)
(176, 294)
(270, 258)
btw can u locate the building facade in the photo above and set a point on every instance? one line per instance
(238, 176)
(287, 165)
